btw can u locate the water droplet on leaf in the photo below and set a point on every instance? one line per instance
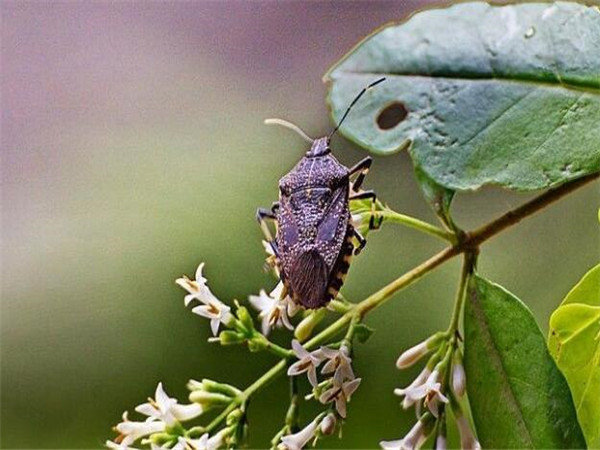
(530, 33)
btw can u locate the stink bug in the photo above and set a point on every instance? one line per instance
(315, 236)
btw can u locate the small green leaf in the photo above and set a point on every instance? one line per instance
(518, 397)
(363, 332)
(574, 341)
(480, 93)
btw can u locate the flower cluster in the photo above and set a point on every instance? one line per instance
(441, 382)
(336, 390)
(163, 428)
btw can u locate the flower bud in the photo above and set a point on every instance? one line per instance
(257, 343)
(328, 424)
(234, 417)
(209, 399)
(458, 377)
(308, 324)
(412, 355)
(214, 386)
(229, 337)
(245, 319)
(440, 443)
(160, 438)
(415, 353)
(467, 438)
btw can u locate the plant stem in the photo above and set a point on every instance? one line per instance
(276, 349)
(482, 234)
(467, 268)
(412, 222)
(468, 244)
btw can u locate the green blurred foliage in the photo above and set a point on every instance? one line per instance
(133, 149)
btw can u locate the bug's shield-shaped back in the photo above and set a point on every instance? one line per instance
(311, 234)
(309, 279)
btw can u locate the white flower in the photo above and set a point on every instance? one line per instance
(132, 431)
(413, 440)
(340, 394)
(274, 311)
(429, 390)
(166, 409)
(118, 446)
(298, 440)
(216, 311)
(410, 392)
(205, 442)
(196, 287)
(179, 446)
(307, 362)
(212, 308)
(340, 362)
(467, 438)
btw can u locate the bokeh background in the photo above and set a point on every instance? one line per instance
(133, 148)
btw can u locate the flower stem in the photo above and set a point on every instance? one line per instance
(469, 259)
(417, 224)
(274, 348)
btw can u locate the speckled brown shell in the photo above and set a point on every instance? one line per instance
(314, 232)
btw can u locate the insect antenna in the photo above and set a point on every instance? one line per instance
(373, 84)
(291, 126)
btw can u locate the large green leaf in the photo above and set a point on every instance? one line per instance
(506, 95)
(518, 397)
(574, 341)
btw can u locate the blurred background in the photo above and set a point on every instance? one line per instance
(133, 148)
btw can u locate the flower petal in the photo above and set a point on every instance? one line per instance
(214, 325)
(187, 412)
(299, 350)
(199, 278)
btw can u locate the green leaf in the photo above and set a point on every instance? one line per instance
(574, 341)
(518, 397)
(363, 332)
(506, 95)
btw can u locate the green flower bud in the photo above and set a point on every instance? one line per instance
(228, 337)
(257, 343)
(245, 320)
(209, 399)
(221, 388)
(234, 417)
(308, 324)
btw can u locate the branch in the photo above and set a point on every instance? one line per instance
(468, 243)
(482, 234)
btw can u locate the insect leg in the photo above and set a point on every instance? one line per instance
(362, 168)
(262, 215)
(361, 241)
(373, 196)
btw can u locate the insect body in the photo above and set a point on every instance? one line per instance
(315, 236)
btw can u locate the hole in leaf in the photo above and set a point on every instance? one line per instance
(391, 116)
